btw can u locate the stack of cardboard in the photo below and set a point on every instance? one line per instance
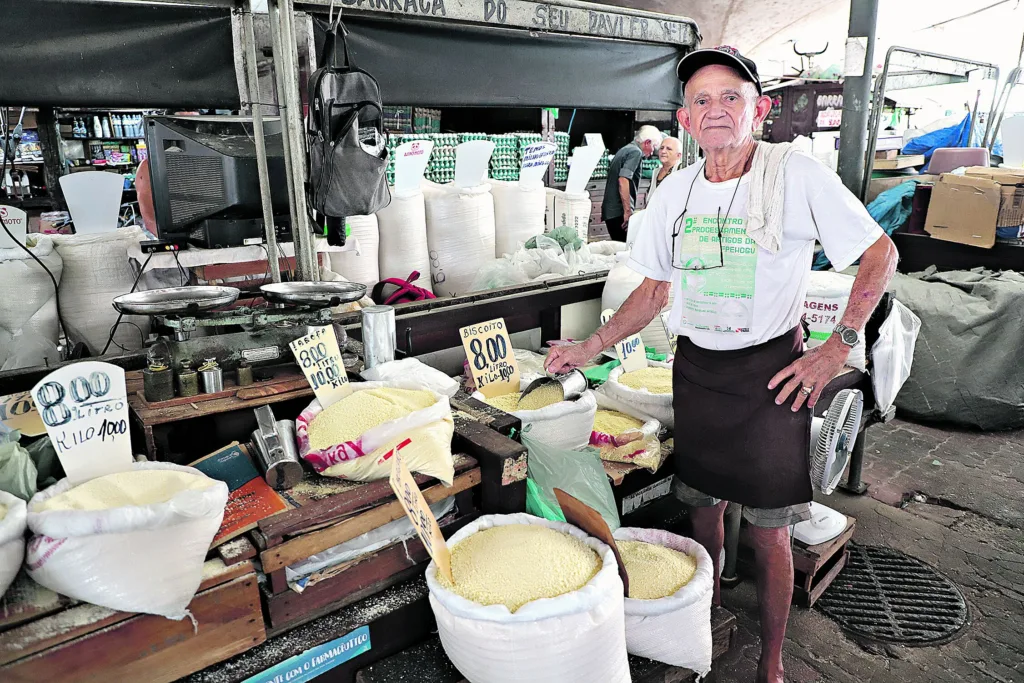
(968, 208)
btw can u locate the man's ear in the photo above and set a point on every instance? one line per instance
(762, 108)
(683, 116)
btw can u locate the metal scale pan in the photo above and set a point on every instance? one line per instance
(313, 293)
(175, 300)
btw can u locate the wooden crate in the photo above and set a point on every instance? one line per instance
(46, 637)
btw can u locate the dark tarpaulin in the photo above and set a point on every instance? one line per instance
(453, 65)
(80, 54)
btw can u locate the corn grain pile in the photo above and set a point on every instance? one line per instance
(654, 379)
(613, 422)
(134, 487)
(515, 564)
(655, 571)
(541, 397)
(352, 416)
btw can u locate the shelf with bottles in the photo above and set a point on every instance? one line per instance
(111, 125)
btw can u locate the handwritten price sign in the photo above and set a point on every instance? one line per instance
(18, 411)
(536, 158)
(85, 409)
(320, 359)
(491, 360)
(630, 350)
(416, 508)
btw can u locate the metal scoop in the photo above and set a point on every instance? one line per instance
(573, 384)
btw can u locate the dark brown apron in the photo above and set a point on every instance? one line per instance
(731, 440)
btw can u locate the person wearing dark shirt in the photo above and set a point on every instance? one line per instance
(623, 179)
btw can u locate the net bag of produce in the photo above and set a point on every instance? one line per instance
(353, 438)
(621, 282)
(29, 310)
(12, 538)
(518, 214)
(824, 305)
(621, 437)
(134, 541)
(675, 629)
(657, 404)
(359, 264)
(402, 225)
(460, 235)
(565, 424)
(96, 269)
(574, 636)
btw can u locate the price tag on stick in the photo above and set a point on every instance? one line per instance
(85, 409)
(581, 515)
(491, 359)
(630, 351)
(320, 359)
(415, 506)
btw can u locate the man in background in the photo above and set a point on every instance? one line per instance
(623, 179)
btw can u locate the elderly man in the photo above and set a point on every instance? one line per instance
(734, 235)
(669, 154)
(623, 178)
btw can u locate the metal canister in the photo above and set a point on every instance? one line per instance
(158, 383)
(277, 451)
(188, 381)
(378, 335)
(211, 376)
(244, 374)
(574, 383)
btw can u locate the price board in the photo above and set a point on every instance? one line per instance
(415, 506)
(320, 359)
(18, 411)
(491, 359)
(85, 409)
(536, 158)
(630, 351)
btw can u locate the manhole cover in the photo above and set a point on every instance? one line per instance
(885, 595)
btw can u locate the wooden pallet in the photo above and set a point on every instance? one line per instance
(46, 637)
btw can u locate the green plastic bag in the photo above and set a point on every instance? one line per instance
(578, 473)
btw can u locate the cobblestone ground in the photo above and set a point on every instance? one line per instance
(951, 498)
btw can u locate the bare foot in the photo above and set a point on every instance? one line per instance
(770, 673)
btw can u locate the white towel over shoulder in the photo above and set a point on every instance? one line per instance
(767, 189)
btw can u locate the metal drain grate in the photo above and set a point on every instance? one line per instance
(885, 595)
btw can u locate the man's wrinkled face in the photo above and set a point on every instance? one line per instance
(648, 147)
(721, 109)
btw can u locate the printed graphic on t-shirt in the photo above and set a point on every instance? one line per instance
(718, 299)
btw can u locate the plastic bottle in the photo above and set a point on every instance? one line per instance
(105, 129)
(97, 129)
(118, 125)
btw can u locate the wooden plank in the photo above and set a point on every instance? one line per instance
(217, 572)
(503, 464)
(809, 559)
(347, 582)
(900, 162)
(149, 648)
(26, 600)
(301, 547)
(319, 500)
(808, 598)
(236, 550)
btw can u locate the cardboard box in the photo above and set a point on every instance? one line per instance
(879, 185)
(1011, 189)
(887, 154)
(964, 209)
(900, 162)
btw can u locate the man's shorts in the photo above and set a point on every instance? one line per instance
(767, 518)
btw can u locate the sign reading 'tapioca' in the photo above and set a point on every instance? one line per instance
(85, 409)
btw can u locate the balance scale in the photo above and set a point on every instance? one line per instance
(292, 308)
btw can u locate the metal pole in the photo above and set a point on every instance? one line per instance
(291, 134)
(853, 130)
(252, 75)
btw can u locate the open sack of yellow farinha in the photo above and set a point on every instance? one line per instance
(352, 438)
(133, 541)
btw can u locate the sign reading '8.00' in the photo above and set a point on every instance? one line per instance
(85, 409)
(491, 359)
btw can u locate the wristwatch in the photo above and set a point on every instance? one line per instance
(847, 335)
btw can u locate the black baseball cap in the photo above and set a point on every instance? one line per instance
(724, 55)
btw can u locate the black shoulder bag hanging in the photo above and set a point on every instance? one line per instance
(348, 153)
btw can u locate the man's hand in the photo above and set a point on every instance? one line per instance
(565, 358)
(813, 370)
(625, 219)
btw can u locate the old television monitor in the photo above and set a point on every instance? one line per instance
(205, 180)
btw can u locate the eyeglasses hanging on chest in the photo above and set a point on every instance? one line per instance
(697, 260)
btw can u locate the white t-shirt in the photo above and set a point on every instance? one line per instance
(757, 295)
